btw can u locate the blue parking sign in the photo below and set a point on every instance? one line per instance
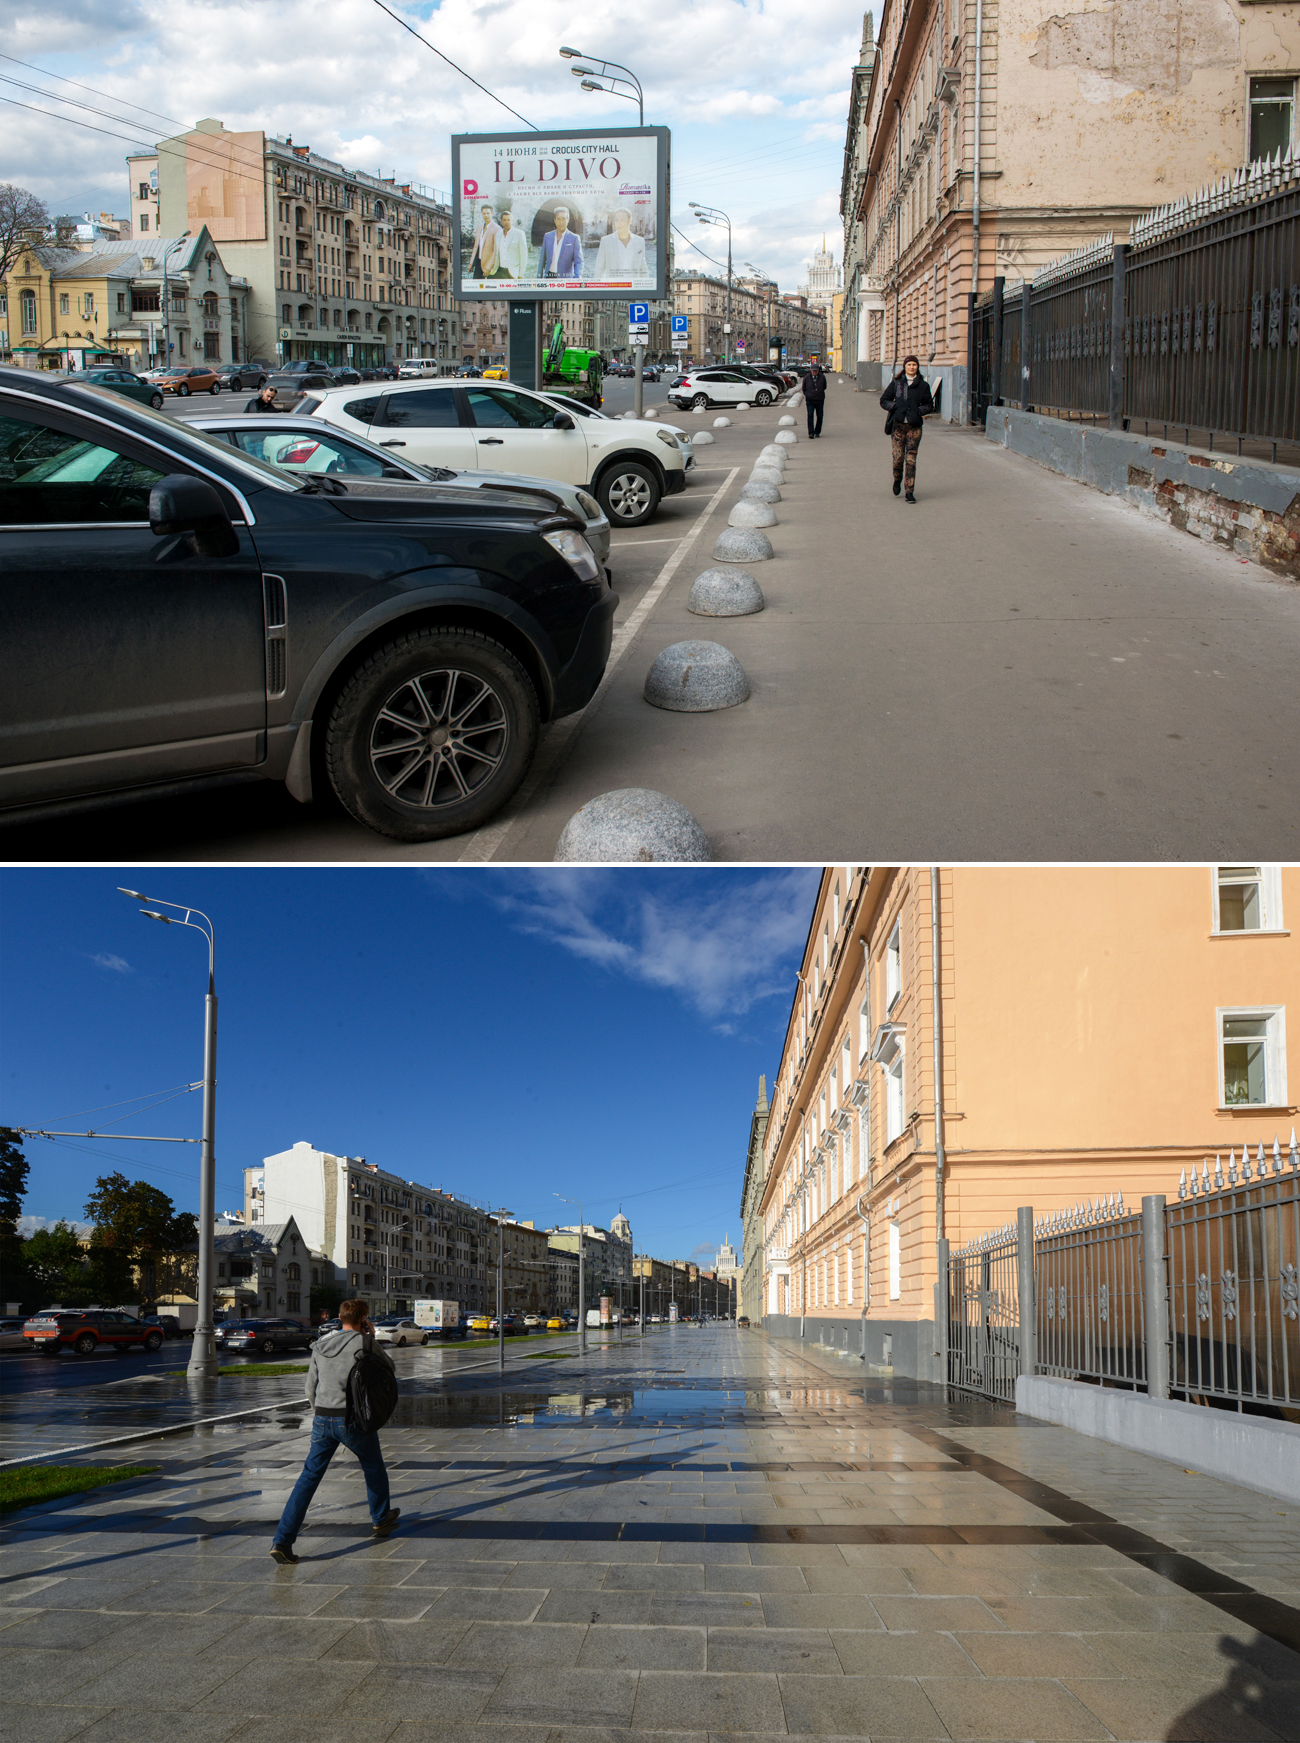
(638, 314)
(679, 323)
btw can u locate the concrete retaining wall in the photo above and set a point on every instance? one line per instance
(1251, 507)
(1249, 1450)
(951, 377)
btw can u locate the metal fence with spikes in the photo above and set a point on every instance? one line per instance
(1233, 1244)
(1197, 1297)
(1088, 1290)
(1191, 325)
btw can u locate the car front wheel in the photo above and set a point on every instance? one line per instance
(156, 401)
(183, 391)
(629, 494)
(215, 388)
(86, 1344)
(700, 403)
(432, 734)
(763, 397)
(153, 1341)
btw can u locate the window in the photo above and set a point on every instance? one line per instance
(894, 965)
(63, 303)
(1272, 117)
(1247, 898)
(144, 223)
(895, 1262)
(497, 408)
(49, 476)
(121, 302)
(143, 190)
(1252, 1057)
(293, 1300)
(864, 1028)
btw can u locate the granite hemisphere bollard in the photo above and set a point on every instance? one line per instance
(653, 412)
(725, 593)
(722, 423)
(786, 438)
(752, 514)
(786, 422)
(760, 491)
(766, 475)
(742, 545)
(633, 824)
(702, 439)
(774, 452)
(696, 678)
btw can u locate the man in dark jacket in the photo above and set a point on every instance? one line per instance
(814, 393)
(332, 1356)
(265, 401)
(907, 399)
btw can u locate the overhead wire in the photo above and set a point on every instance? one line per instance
(451, 63)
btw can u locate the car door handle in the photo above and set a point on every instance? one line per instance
(491, 441)
(392, 444)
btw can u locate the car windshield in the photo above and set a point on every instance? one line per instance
(206, 447)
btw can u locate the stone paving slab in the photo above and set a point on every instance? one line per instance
(530, 1595)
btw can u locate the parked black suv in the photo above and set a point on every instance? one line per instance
(262, 1334)
(176, 610)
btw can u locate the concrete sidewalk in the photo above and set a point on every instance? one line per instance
(711, 1535)
(1014, 668)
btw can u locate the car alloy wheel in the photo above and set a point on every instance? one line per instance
(762, 397)
(432, 734)
(156, 401)
(153, 1341)
(268, 1344)
(86, 1344)
(629, 495)
(183, 391)
(700, 403)
(215, 388)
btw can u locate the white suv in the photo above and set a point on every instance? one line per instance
(707, 387)
(628, 465)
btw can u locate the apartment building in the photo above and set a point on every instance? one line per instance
(989, 137)
(751, 1221)
(78, 307)
(763, 323)
(342, 266)
(389, 1238)
(967, 1040)
(525, 1267)
(267, 1272)
(606, 1256)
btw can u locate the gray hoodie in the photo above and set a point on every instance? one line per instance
(331, 1363)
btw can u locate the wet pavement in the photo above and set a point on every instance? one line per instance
(710, 1534)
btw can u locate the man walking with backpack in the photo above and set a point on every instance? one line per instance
(348, 1397)
(814, 392)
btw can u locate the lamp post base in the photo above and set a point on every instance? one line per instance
(204, 1360)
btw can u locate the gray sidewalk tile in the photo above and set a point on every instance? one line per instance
(419, 1691)
(707, 1610)
(617, 1647)
(950, 1615)
(858, 1706)
(902, 1655)
(711, 1700)
(42, 1724)
(486, 1604)
(1041, 1654)
(1011, 1707)
(819, 1610)
(534, 1695)
(666, 1577)
(591, 1607)
(277, 1686)
(502, 1644)
(774, 1648)
(127, 1725)
(150, 1684)
(1191, 1707)
(38, 1674)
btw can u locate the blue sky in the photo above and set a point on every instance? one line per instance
(506, 1034)
(755, 92)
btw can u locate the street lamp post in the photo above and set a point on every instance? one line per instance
(582, 1272)
(203, 1350)
(500, 1216)
(711, 215)
(167, 308)
(772, 286)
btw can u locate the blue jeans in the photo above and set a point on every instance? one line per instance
(328, 1434)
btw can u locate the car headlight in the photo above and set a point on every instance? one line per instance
(667, 438)
(590, 507)
(577, 553)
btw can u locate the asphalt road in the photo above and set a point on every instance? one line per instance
(1014, 668)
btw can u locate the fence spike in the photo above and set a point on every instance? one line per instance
(1218, 1170)
(1277, 1154)
(1205, 1173)
(1182, 1182)
(1245, 1161)
(1232, 1166)
(1119, 1202)
(1295, 1154)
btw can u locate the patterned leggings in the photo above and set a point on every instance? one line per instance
(905, 443)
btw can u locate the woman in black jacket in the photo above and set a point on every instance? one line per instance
(907, 399)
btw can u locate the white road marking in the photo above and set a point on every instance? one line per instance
(484, 843)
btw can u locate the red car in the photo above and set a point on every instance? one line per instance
(89, 1329)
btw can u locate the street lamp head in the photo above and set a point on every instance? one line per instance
(570, 54)
(590, 85)
(135, 895)
(582, 72)
(150, 914)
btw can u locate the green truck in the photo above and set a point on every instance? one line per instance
(572, 372)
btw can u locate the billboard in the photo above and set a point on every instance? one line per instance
(564, 216)
(224, 186)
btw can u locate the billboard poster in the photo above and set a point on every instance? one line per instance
(224, 186)
(565, 216)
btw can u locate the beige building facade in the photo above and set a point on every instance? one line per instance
(1097, 1030)
(989, 137)
(751, 1219)
(761, 321)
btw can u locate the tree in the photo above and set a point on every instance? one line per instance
(56, 1268)
(23, 220)
(14, 1169)
(135, 1225)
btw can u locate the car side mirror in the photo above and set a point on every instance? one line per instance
(182, 504)
(562, 421)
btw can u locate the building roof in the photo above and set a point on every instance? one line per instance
(127, 259)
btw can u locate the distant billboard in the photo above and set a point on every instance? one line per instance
(565, 216)
(225, 185)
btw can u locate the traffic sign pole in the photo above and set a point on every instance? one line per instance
(638, 330)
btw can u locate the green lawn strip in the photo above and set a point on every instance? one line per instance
(29, 1485)
(559, 1356)
(264, 1370)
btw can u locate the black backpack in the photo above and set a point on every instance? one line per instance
(371, 1391)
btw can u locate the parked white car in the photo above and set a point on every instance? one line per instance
(400, 1332)
(298, 444)
(708, 387)
(629, 466)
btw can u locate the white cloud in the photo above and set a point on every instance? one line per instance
(117, 964)
(721, 944)
(29, 1225)
(350, 82)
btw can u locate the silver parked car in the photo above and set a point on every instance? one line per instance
(305, 445)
